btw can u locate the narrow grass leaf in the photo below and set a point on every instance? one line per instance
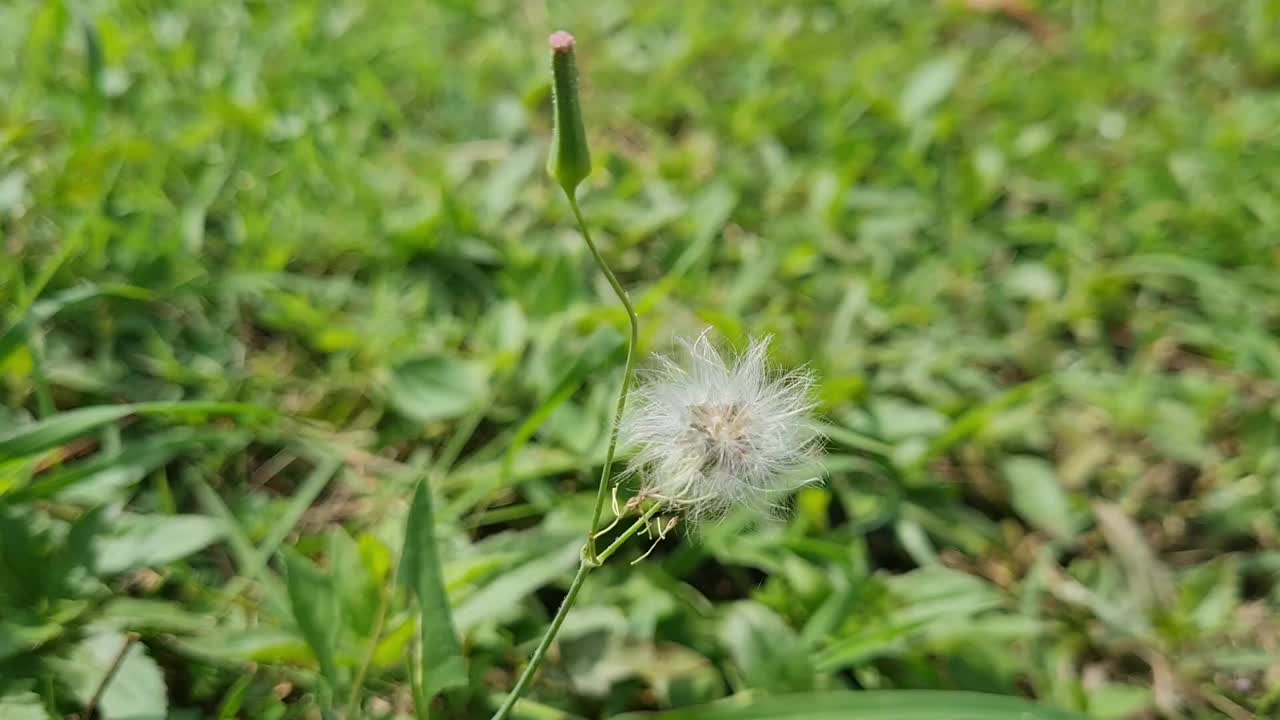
(43, 310)
(49, 433)
(870, 705)
(315, 610)
(17, 636)
(443, 665)
(37, 437)
(242, 550)
(255, 560)
(114, 471)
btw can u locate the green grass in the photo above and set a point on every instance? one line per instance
(312, 249)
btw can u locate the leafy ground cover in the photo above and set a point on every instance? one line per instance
(278, 276)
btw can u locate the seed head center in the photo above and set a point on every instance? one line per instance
(721, 424)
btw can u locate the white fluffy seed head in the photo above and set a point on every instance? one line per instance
(707, 436)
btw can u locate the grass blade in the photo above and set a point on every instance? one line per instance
(443, 665)
(33, 438)
(315, 609)
(870, 705)
(28, 440)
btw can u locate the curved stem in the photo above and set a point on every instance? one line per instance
(129, 640)
(627, 372)
(585, 567)
(626, 534)
(541, 652)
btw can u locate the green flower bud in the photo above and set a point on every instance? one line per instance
(570, 159)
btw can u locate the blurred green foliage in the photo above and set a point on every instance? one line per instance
(268, 266)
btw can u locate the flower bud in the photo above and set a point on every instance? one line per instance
(570, 159)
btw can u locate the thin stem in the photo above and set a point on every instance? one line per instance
(626, 534)
(540, 653)
(584, 568)
(627, 372)
(116, 663)
(421, 708)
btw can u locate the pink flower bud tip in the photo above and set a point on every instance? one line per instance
(561, 42)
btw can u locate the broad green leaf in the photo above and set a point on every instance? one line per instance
(395, 644)
(977, 418)
(1209, 595)
(19, 636)
(358, 589)
(503, 331)
(314, 604)
(1037, 495)
(41, 564)
(437, 388)
(151, 540)
(765, 649)
(869, 705)
(899, 420)
(927, 87)
(22, 706)
(1117, 702)
(154, 615)
(443, 665)
(931, 601)
(136, 690)
(1032, 280)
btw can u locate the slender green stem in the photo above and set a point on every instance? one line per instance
(540, 653)
(116, 664)
(626, 534)
(584, 568)
(421, 708)
(627, 371)
(590, 560)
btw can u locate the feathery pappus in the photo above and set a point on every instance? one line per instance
(707, 435)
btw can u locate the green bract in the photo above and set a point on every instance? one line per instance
(570, 159)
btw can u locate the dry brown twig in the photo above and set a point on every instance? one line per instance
(1020, 12)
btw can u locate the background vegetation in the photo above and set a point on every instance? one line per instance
(266, 266)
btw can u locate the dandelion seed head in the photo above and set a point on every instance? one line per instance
(706, 435)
